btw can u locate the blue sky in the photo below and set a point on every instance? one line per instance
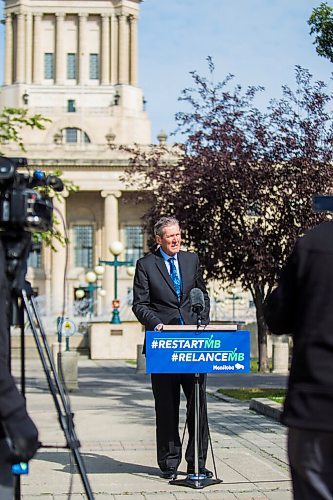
(259, 41)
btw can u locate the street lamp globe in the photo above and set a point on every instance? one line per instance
(91, 277)
(130, 271)
(99, 270)
(116, 248)
(101, 292)
(79, 294)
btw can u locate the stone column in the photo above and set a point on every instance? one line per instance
(111, 233)
(60, 63)
(105, 56)
(133, 51)
(9, 51)
(28, 49)
(20, 49)
(83, 76)
(47, 264)
(280, 354)
(114, 50)
(58, 264)
(37, 70)
(123, 49)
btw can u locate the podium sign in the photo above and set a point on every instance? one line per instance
(198, 351)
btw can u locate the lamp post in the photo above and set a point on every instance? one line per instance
(234, 297)
(116, 248)
(91, 278)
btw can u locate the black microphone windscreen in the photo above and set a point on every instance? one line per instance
(55, 182)
(197, 300)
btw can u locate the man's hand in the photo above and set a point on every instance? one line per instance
(22, 437)
(159, 327)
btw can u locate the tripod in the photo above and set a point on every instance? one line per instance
(17, 248)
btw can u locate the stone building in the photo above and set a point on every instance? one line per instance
(75, 63)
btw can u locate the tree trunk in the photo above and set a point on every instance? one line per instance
(262, 330)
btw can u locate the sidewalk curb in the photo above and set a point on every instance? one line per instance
(224, 397)
(264, 406)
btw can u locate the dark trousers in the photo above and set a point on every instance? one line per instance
(166, 390)
(311, 464)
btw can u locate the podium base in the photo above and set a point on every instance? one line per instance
(196, 481)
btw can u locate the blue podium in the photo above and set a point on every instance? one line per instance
(192, 349)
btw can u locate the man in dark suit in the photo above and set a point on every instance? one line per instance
(302, 305)
(162, 284)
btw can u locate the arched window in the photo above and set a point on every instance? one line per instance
(74, 135)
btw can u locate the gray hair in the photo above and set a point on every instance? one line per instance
(162, 223)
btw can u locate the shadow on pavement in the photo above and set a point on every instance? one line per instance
(96, 464)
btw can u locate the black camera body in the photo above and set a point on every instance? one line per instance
(21, 206)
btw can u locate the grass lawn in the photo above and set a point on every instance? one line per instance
(254, 365)
(132, 362)
(245, 394)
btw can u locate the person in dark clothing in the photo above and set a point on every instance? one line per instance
(302, 305)
(18, 433)
(162, 284)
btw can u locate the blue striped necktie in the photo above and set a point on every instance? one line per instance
(174, 276)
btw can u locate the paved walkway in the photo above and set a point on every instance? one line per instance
(114, 417)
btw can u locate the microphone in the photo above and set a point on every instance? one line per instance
(197, 300)
(55, 182)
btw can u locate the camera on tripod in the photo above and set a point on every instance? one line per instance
(23, 207)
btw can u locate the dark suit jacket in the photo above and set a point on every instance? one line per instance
(154, 297)
(302, 305)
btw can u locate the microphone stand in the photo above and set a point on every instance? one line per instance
(196, 480)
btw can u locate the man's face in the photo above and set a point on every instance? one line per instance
(170, 239)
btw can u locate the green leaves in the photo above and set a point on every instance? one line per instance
(12, 120)
(321, 25)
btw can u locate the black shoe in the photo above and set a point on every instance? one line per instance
(202, 470)
(170, 473)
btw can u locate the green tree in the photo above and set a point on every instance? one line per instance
(12, 121)
(243, 181)
(321, 26)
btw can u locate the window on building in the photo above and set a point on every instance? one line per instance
(35, 259)
(49, 66)
(71, 106)
(133, 243)
(83, 239)
(71, 66)
(75, 135)
(71, 135)
(93, 66)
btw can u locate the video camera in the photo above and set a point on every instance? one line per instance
(21, 206)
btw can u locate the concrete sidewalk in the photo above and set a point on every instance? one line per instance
(115, 422)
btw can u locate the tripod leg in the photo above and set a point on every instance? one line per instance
(209, 436)
(62, 403)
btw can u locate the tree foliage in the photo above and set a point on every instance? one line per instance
(242, 183)
(12, 121)
(321, 26)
